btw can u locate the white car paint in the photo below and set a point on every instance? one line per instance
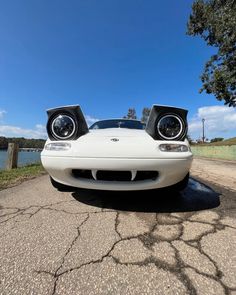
(132, 150)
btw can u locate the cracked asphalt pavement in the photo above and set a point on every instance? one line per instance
(96, 242)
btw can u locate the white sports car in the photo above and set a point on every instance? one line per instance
(117, 154)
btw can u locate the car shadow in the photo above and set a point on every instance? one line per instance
(195, 197)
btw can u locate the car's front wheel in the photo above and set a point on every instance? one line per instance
(60, 186)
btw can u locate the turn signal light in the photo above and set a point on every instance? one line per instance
(173, 148)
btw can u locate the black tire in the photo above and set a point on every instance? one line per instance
(180, 186)
(61, 187)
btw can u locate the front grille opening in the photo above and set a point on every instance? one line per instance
(81, 173)
(109, 175)
(146, 175)
(113, 175)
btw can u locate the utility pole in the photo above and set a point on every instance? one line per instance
(203, 130)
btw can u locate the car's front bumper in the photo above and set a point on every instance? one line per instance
(170, 171)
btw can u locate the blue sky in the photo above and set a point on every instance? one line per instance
(106, 56)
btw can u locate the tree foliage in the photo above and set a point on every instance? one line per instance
(216, 139)
(145, 114)
(131, 114)
(215, 22)
(189, 139)
(23, 142)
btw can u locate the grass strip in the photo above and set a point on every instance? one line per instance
(18, 175)
(230, 141)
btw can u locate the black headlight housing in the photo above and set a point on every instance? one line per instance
(167, 123)
(66, 123)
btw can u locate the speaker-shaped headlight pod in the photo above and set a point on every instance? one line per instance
(66, 123)
(167, 123)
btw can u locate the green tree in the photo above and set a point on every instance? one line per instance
(189, 139)
(217, 139)
(131, 114)
(3, 142)
(145, 114)
(215, 22)
(23, 142)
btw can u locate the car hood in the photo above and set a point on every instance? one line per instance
(111, 132)
(111, 135)
(116, 143)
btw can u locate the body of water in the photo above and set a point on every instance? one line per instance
(24, 158)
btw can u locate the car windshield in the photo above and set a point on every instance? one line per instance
(118, 123)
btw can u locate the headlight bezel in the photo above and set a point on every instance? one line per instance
(181, 132)
(59, 116)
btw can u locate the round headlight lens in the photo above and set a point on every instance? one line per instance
(63, 127)
(170, 127)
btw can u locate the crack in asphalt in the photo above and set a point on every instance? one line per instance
(183, 264)
(68, 251)
(116, 225)
(177, 270)
(148, 240)
(21, 211)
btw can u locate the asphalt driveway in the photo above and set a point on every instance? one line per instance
(90, 242)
